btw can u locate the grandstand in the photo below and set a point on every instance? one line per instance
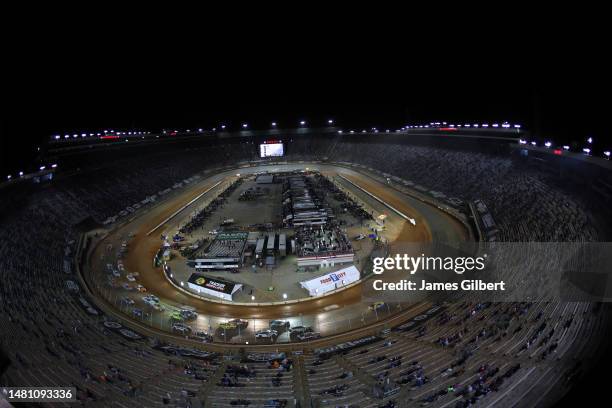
(468, 353)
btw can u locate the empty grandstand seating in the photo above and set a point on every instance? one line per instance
(471, 351)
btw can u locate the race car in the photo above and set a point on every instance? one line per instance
(181, 328)
(309, 336)
(176, 316)
(188, 314)
(151, 300)
(228, 326)
(241, 324)
(266, 334)
(279, 324)
(376, 306)
(297, 330)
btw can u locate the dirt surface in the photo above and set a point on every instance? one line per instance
(143, 249)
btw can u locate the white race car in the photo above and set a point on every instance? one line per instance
(181, 328)
(266, 334)
(150, 300)
(158, 307)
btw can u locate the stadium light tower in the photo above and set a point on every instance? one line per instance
(330, 121)
(302, 122)
(244, 126)
(273, 124)
(590, 140)
(607, 154)
(222, 126)
(284, 296)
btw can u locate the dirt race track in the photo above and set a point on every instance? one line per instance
(431, 224)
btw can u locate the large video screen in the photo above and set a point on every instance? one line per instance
(271, 150)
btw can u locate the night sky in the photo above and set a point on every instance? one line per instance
(561, 113)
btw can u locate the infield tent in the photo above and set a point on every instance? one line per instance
(213, 287)
(331, 281)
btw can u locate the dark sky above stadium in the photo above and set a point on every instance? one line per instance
(560, 112)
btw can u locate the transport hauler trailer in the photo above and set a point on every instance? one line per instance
(282, 245)
(259, 248)
(271, 244)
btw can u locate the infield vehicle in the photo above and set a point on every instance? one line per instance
(227, 221)
(130, 277)
(376, 306)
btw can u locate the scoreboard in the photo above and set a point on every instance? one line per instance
(271, 148)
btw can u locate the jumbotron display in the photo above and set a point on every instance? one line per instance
(271, 149)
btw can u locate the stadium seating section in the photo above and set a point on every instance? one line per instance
(471, 351)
